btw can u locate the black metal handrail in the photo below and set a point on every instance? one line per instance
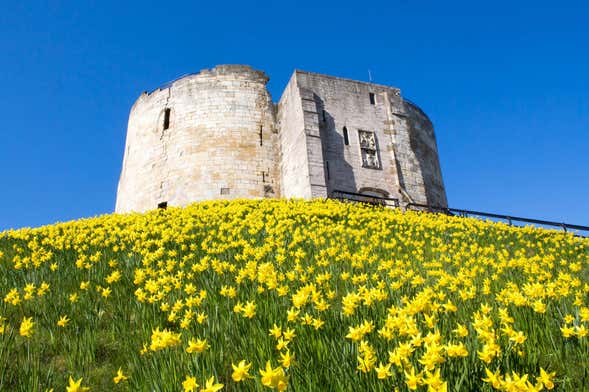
(510, 219)
(364, 198)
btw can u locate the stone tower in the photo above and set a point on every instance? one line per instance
(359, 137)
(205, 136)
(217, 135)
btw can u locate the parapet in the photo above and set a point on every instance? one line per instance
(244, 71)
(224, 70)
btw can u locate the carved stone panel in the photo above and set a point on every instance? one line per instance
(368, 148)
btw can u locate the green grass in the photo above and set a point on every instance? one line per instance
(300, 241)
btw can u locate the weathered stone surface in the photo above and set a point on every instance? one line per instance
(225, 139)
(221, 141)
(406, 167)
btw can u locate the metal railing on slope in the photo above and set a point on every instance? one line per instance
(363, 198)
(507, 218)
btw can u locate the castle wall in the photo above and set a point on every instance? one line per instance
(302, 161)
(341, 103)
(294, 163)
(420, 171)
(408, 167)
(215, 135)
(221, 141)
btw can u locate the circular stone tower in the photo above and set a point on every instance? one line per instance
(204, 136)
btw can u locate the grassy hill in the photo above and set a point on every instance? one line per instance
(311, 296)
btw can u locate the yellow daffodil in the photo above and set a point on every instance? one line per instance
(240, 372)
(286, 359)
(76, 386)
(63, 321)
(189, 384)
(546, 378)
(413, 380)
(26, 327)
(274, 377)
(197, 346)
(383, 371)
(211, 386)
(119, 377)
(493, 378)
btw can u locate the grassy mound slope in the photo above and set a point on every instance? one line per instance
(311, 296)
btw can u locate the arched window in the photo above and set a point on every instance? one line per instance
(346, 138)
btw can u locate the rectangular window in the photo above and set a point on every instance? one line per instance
(346, 137)
(372, 100)
(167, 119)
(368, 149)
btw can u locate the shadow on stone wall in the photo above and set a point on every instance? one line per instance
(400, 176)
(427, 158)
(339, 174)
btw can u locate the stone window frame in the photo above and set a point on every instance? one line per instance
(369, 148)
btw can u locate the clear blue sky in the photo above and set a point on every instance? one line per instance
(506, 85)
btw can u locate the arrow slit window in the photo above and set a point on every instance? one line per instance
(167, 118)
(368, 148)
